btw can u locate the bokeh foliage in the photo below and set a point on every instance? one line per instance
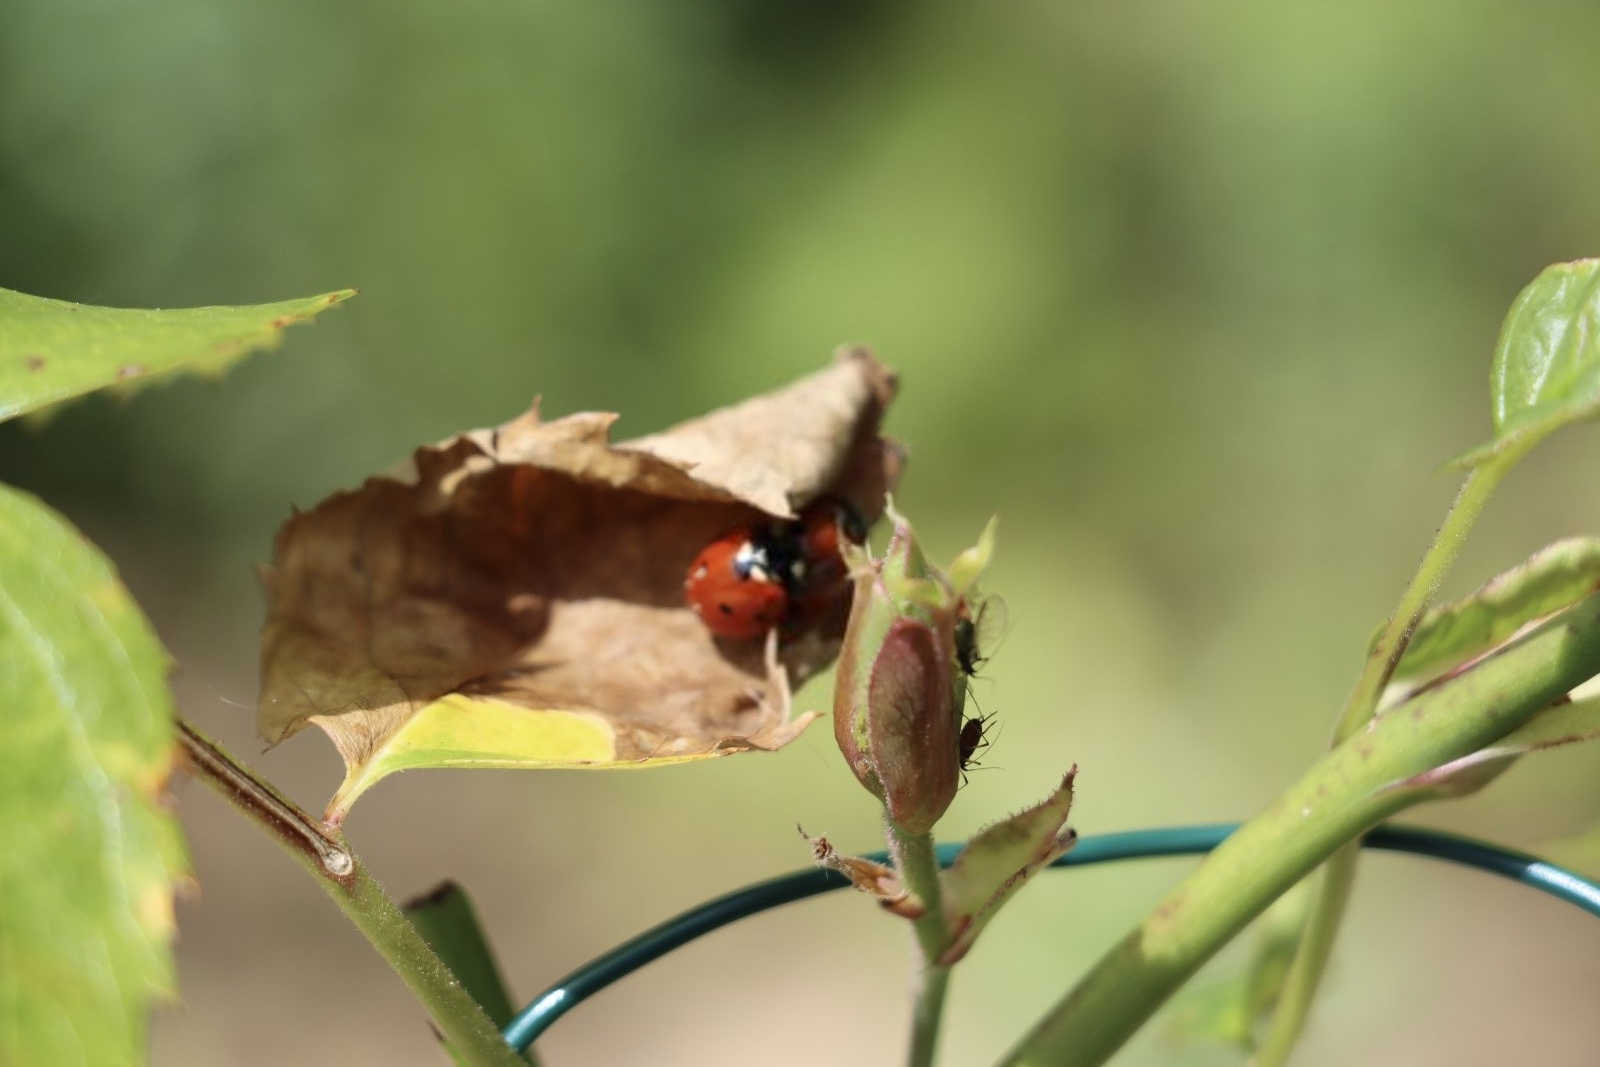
(1199, 297)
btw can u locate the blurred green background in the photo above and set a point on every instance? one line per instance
(1199, 297)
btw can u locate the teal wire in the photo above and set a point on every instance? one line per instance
(656, 942)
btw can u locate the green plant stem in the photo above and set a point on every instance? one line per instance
(1331, 891)
(1353, 787)
(918, 866)
(449, 924)
(1436, 563)
(1329, 894)
(472, 1038)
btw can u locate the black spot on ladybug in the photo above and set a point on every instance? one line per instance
(725, 609)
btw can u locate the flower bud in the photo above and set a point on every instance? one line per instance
(897, 701)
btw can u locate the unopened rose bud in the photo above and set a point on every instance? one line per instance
(897, 706)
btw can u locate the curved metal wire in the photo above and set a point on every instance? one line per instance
(656, 942)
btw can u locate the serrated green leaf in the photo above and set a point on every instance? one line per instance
(1546, 370)
(52, 350)
(998, 861)
(1555, 577)
(90, 855)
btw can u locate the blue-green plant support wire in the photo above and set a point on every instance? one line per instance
(656, 942)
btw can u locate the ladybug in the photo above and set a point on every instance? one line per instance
(820, 527)
(754, 578)
(733, 587)
(821, 582)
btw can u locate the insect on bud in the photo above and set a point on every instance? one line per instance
(897, 700)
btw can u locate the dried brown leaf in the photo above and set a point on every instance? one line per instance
(874, 879)
(538, 566)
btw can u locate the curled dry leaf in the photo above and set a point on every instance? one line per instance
(868, 876)
(514, 596)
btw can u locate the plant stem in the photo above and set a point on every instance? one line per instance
(1331, 892)
(926, 1013)
(1353, 787)
(472, 1038)
(918, 867)
(1329, 895)
(1436, 563)
(448, 923)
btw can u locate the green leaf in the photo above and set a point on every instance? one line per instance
(1555, 577)
(997, 862)
(90, 854)
(1546, 370)
(52, 350)
(483, 732)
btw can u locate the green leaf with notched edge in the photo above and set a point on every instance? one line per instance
(1546, 370)
(89, 855)
(997, 862)
(1555, 577)
(52, 350)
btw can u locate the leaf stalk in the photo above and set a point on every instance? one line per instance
(470, 1034)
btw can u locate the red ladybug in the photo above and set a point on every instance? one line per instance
(821, 582)
(820, 527)
(752, 579)
(732, 587)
